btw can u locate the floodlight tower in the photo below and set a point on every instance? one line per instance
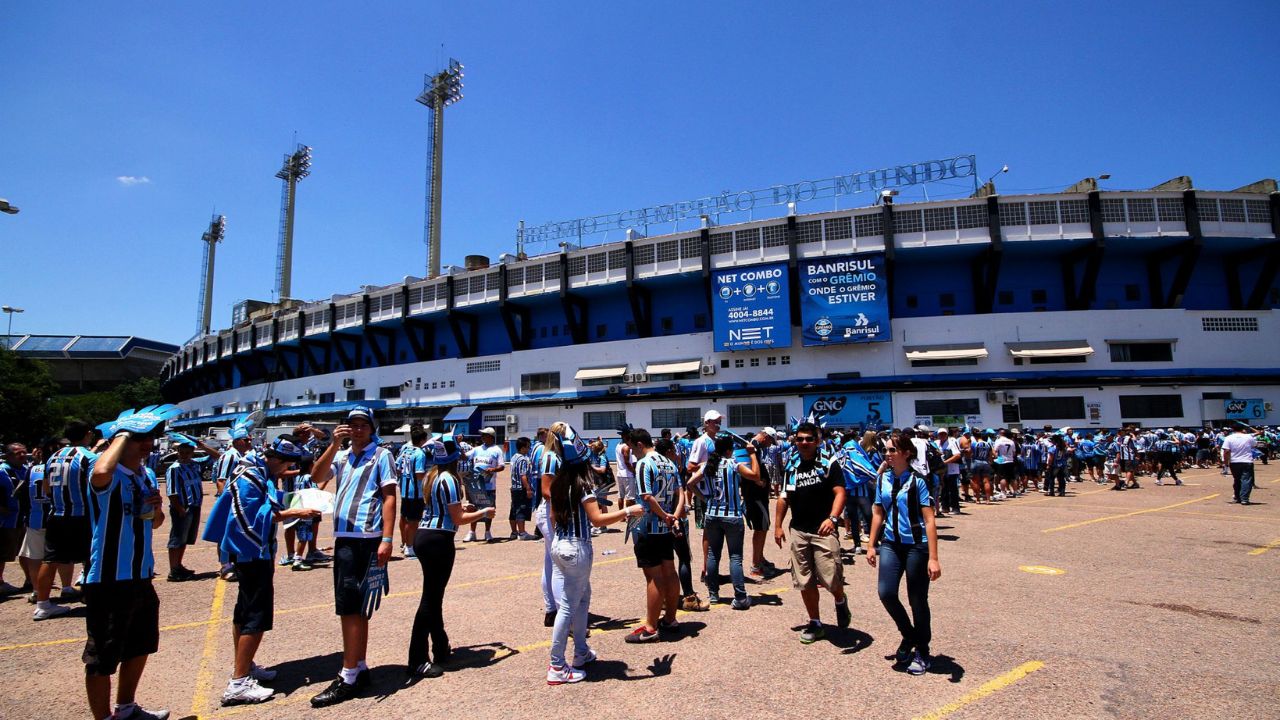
(441, 90)
(296, 166)
(211, 238)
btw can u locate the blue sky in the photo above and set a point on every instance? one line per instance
(585, 109)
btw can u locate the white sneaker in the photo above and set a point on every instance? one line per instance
(469, 537)
(49, 611)
(564, 675)
(526, 536)
(595, 532)
(245, 691)
(257, 672)
(409, 553)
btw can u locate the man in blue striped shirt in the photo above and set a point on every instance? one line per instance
(364, 522)
(67, 538)
(182, 481)
(411, 466)
(658, 487)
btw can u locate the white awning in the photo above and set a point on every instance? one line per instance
(957, 351)
(1051, 348)
(673, 367)
(600, 373)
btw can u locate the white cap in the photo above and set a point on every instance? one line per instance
(770, 432)
(712, 415)
(488, 431)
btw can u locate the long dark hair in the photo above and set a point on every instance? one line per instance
(723, 449)
(571, 485)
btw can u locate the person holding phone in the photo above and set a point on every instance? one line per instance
(903, 511)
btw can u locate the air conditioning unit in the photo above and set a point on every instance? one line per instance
(349, 383)
(997, 396)
(635, 378)
(406, 384)
(309, 393)
(512, 420)
(1268, 407)
(614, 389)
(708, 369)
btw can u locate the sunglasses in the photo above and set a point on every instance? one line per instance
(805, 439)
(892, 449)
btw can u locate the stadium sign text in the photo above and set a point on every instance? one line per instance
(898, 176)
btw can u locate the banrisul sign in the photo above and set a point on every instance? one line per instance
(851, 409)
(751, 307)
(843, 300)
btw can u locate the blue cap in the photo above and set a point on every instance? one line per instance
(442, 449)
(286, 449)
(572, 447)
(361, 412)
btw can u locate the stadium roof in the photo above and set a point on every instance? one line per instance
(82, 347)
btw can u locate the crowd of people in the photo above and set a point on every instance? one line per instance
(93, 499)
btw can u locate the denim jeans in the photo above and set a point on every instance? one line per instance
(951, 493)
(1242, 477)
(571, 582)
(913, 560)
(857, 510)
(544, 524)
(717, 530)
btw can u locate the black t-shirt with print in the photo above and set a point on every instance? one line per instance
(810, 493)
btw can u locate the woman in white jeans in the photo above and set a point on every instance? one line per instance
(572, 512)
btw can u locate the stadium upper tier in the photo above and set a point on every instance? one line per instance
(1139, 250)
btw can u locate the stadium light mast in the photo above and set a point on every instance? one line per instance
(211, 238)
(296, 166)
(441, 90)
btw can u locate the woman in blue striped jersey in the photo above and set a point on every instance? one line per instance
(442, 514)
(720, 481)
(573, 511)
(904, 513)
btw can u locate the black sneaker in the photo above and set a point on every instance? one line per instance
(137, 712)
(905, 652)
(429, 670)
(338, 692)
(843, 615)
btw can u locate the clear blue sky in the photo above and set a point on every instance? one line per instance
(586, 109)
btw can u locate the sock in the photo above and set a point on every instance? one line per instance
(361, 667)
(45, 604)
(126, 707)
(348, 675)
(815, 622)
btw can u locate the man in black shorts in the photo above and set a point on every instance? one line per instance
(411, 466)
(658, 488)
(755, 498)
(66, 540)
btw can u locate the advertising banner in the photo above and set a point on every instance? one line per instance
(843, 300)
(1250, 410)
(850, 409)
(750, 309)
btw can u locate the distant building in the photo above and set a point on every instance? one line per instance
(86, 363)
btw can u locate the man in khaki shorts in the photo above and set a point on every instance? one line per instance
(813, 489)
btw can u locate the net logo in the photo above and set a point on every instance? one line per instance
(829, 405)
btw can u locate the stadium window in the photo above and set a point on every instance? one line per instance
(217, 410)
(1142, 352)
(700, 321)
(755, 362)
(601, 330)
(536, 382)
(604, 420)
(1039, 297)
(951, 406)
(390, 392)
(355, 395)
(949, 362)
(675, 417)
(555, 331)
(1067, 407)
(786, 359)
(1067, 360)
(772, 360)
(737, 363)
(947, 300)
(1132, 292)
(1006, 297)
(913, 301)
(544, 331)
(631, 327)
(454, 382)
(666, 324)
(752, 417)
(566, 329)
(326, 398)
(724, 363)
(1150, 406)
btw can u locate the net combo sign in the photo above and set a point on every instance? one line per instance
(842, 300)
(751, 307)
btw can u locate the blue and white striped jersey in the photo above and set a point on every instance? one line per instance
(12, 482)
(902, 497)
(68, 474)
(411, 461)
(724, 491)
(362, 481)
(579, 525)
(38, 518)
(121, 545)
(444, 492)
(522, 469)
(550, 464)
(659, 478)
(981, 450)
(227, 463)
(1031, 456)
(182, 480)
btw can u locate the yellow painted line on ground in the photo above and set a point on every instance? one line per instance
(205, 676)
(1130, 514)
(1041, 570)
(1269, 546)
(988, 688)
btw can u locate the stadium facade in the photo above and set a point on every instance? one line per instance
(1087, 309)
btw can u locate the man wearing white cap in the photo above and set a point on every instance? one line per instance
(486, 462)
(702, 448)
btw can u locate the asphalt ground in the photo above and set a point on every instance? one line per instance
(1158, 602)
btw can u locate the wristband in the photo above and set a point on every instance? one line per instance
(388, 540)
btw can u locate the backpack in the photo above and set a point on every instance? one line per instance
(934, 459)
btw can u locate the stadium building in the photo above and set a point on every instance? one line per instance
(87, 363)
(1088, 309)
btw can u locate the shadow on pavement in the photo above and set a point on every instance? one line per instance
(479, 656)
(771, 599)
(946, 665)
(602, 670)
(600, 622)
(850, 640)
(299, 673)
(688, 629)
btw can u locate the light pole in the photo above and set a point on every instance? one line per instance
(8, 310)
(5, 207)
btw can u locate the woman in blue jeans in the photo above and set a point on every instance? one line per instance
(904, 512)
(572, 512)
(720, 481)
